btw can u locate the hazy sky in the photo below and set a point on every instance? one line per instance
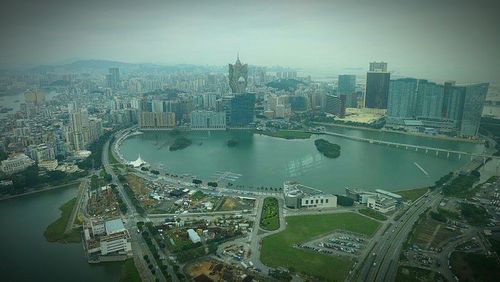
(449, 39)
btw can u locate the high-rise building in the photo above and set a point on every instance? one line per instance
(347, 87)
(402, 98)
(113, 78)
(207, 120)
(429, 99)
(156, 121)
(377, 86)
(298, 103)
(453, 103)
(335, 105)
(75, 121)
(378, 67)
(238, 76)
(35, 97)
(474, 97)
(240, 110)
(157, 106)
(449, 108)
(448, 99)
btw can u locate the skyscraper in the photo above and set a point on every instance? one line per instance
(474, 97)
(451, 109)
(453, 102)
(335, 105)
(34, 97)
(378, 67)
(238, 76)
(402, 98)
(347, 87)
(239, 110)
(429, 99)
(113, 78)
(377, 86)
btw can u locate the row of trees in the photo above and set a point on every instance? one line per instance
(33, 177)
(94, 161)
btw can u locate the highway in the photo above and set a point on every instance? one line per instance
(382, 262)
(139, 246)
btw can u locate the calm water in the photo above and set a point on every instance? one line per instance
(25, 255)
(268, 161)
(14, 101)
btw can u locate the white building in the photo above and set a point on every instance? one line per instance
(381, 203)
(208, 120)
(41, 152)
(16, 163)
(195, 238)
(300, 196)
(107, 238)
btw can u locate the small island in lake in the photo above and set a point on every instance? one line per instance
(232, 143)
(328, 149)
(180, 143)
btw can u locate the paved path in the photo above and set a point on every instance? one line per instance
(76, 208)
(133, 218)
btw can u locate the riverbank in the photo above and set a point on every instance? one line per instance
(55, 232)
(435, 137)
(412, 194)
(39, 190)
(286, 134)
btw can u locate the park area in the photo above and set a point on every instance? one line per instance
(55, 231)
(270, 214)
(279, 249)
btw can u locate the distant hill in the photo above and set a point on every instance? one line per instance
(285, 84)
(102, 66)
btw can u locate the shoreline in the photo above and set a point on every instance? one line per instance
(476, 141)
(114, 147)
(39, 191)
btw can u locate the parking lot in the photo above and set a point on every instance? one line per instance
(339, 243)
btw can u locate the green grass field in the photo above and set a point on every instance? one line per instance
(270, 216)
(55, 231)
(373, 214)
(287, 134)
(129, 272)
(413, 194)
(277, 250)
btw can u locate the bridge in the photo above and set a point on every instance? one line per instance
(417, 148)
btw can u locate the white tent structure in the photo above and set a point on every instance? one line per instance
(137, 163)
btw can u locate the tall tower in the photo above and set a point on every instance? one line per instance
(377, 86)
(238, 76)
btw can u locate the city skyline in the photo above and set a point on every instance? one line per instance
(437, 41)
(168, 140)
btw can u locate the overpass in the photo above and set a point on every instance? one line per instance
(418, 148)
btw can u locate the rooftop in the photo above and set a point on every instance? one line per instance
(114, 226)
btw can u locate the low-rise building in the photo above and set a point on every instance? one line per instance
(193, 236)
(16, 163)
(381, 203)
(300, 196)
(107, 240)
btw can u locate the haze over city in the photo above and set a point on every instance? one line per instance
(438, 40)
(249, 141)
